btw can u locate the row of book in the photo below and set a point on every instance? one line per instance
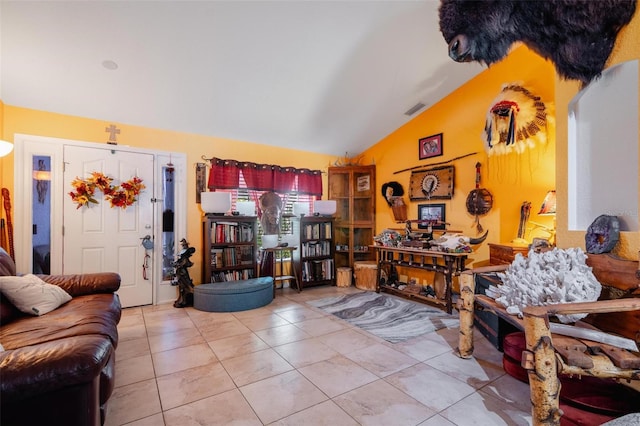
(317, 270)
(316, 248)
(231, 256)
(317, 230)
(245, 274)
(231, 232)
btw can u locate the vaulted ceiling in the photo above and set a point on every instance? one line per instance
(331, 77)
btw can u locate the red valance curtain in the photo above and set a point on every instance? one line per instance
(310, 182)
(258, 177)
(284, 178)
(225, 174)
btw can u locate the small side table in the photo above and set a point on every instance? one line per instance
(275, 255)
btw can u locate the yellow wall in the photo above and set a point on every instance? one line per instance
(6, 163)
(511, 179)
(627, 48)
(40, 123)
(460, 117)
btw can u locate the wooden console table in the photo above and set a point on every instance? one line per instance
(448, 264)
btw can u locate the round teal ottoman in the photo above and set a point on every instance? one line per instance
(232, 296)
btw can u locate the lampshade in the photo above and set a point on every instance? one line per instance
(215, 202)
(269, 241)
(549, 203)
(5, 148)
(324, 207)
(300, 209)
(246, 208)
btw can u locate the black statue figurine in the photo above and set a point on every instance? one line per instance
(181, 276)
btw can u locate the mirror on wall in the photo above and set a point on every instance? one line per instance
(603, 150)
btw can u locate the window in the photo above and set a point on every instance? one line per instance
(288, 200)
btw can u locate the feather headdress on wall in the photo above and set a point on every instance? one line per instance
(516, 120)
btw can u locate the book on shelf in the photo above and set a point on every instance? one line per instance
(317, 230)
(317, 270)
(216, 258)
(223, 276)
(316, 248)
(231, 232)
(246, 255)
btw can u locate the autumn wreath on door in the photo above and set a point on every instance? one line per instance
(122, 195)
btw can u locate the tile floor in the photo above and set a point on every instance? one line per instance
(291, 364)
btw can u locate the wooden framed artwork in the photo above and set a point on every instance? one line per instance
(432, 184)
(201, 178)
(429, 147)
(432, 214)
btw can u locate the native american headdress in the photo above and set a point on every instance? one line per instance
(516, 120)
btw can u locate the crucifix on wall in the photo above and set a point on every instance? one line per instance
(113, 131)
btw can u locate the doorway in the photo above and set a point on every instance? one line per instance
(100, 237)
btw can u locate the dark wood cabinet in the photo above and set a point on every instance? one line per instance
(504, 254)
(354, 190)
(230, 250)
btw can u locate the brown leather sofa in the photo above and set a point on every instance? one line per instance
(59, 368)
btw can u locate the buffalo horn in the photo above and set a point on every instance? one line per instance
(479, 239)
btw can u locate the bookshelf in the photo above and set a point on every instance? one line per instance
(353, 188)
(230, 249)
(316, 257)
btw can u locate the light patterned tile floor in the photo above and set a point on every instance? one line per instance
(291, 364)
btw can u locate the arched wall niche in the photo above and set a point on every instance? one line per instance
(603, 150)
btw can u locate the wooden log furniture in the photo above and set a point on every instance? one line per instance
(548, 354)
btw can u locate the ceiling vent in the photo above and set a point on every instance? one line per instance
(417, 107)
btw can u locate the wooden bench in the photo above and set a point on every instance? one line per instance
(548, 354)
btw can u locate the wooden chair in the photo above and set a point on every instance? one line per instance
(547, 354)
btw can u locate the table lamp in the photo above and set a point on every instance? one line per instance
(5, 148)
(548, 208)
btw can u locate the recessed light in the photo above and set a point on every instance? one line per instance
(110, 65)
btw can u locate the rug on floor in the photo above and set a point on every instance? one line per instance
(388, 317)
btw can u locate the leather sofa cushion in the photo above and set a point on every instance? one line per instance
(49, 366)
(7, 267)
(96, 314)
(81, 284)
(8, 312)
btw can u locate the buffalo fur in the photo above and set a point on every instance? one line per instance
(576, 35)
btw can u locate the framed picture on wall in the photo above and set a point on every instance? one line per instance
(431, 214)
(429, 147)
(201, 178)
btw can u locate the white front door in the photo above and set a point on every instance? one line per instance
(101, 238)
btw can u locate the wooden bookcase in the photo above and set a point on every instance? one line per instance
(229, 248)
(316, 255)
(354, 189)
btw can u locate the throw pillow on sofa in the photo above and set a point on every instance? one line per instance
(32, 295)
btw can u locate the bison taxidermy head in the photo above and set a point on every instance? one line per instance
(576, 35)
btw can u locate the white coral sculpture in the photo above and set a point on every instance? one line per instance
(555, 276)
